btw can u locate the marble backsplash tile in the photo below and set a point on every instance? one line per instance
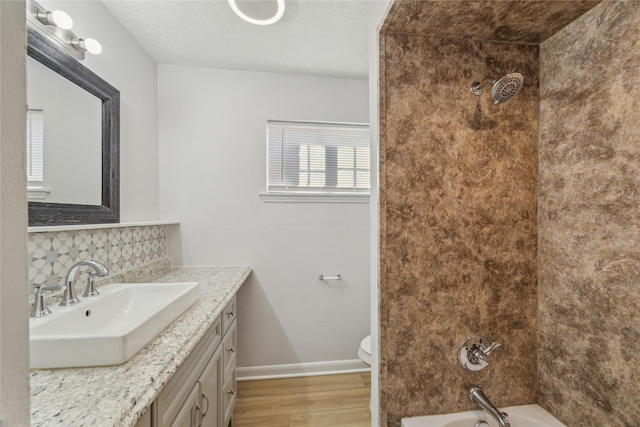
(51, 254)
(589, 287)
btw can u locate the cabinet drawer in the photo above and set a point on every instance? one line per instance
(229, 348)
(228, 315)
(229, 394)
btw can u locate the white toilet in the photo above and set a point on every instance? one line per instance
(364, 352)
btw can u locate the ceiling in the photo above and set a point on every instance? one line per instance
(316, 37)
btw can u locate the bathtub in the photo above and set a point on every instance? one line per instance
(519, 416)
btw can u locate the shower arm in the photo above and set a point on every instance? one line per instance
(476, 87)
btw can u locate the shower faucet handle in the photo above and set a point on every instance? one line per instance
(474, 352)
(482, 354)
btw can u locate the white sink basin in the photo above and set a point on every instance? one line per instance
(110, 328)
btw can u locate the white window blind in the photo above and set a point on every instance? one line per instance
(317, 158)
(35, 146)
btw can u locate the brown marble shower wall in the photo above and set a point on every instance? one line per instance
(458, 224)
(459, 209)
(589, 219)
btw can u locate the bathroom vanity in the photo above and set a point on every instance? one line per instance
(202, 391)
(186, 376)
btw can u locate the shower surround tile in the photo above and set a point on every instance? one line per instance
(52, 254)
(511, 21)
(458, 216)
(434, 243)
(589, 289)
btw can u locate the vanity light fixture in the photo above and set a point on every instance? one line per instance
(275, 18)
(88, 45)
(56, 18)
(55, 26)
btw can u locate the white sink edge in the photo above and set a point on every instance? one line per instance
(87, 303)
(123, 345)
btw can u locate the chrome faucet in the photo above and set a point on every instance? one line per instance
(40, 308)
(477, 396)
(474, 352)
(99, 269)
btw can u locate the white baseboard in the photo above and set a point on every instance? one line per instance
(301, 369)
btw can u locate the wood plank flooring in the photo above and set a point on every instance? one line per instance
(322, 401)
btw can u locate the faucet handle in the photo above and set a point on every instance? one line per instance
(40, 308)
(91, 290)
(474, 352)
(482, 354)
(46, 286)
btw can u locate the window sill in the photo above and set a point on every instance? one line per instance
(313, 198)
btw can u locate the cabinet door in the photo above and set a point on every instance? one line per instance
(187, 415)
(211, 382)
(145, 419)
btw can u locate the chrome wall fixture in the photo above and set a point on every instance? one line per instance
(474, 352)
(56, 27)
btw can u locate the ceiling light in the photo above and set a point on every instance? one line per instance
(88, 45)
(275, 18)
(57, 18)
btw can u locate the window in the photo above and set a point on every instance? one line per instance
(35, 146)
(317, 158)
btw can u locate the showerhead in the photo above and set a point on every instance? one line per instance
(503, 89)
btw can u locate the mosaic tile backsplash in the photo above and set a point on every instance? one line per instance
(52, 254)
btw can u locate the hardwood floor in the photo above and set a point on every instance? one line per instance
(323, 401)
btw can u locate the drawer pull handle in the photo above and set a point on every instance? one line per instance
(232, 391)
(199, 411)
(230, 313)
(231, 349)
(204, 413)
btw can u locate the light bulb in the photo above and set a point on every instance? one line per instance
(56, 18)
(61, 19)
(92, 46)
(89, 45)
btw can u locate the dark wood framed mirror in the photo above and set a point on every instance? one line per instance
(43, 213)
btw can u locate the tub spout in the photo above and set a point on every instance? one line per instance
(477, 396)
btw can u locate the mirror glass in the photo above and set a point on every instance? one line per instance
(71, 120)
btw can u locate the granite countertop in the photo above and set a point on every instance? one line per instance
(119, 395)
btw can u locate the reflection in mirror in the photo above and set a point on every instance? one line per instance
(68, 119)
(64, 204)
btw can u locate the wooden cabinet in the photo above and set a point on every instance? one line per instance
(229, 375)
(210, 391)
(145, 419)
(188, 415)
(202, 391)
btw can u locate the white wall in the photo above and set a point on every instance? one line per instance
(14, 337)
(127, 67)
(212, 164)
(72, 135)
